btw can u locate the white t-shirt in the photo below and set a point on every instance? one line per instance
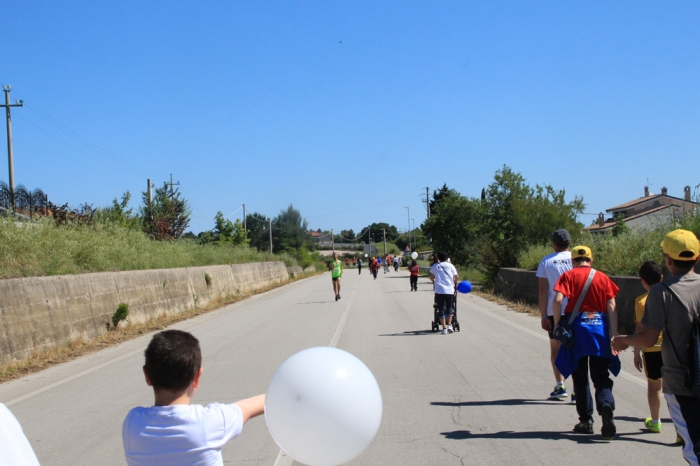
(444, 273)
(15, 449)
(551, 267)
(180, 434)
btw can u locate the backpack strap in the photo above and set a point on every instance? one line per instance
(591, 274)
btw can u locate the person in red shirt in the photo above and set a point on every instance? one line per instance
(593, 328)
(374, 267)
(414, 275)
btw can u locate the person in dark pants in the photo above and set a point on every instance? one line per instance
(671, 307)
(414, 269)
(593, 328)
(359, 266)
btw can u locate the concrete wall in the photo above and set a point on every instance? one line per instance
(37, 313)
(519, 284)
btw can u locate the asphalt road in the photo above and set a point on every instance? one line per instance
(474, 397)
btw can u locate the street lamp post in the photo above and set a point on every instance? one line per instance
(414, 229)
(408, 213)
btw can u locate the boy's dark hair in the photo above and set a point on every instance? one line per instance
(173, 358)
(650, 272)
(442, 256)
(413, 262)
(578, 260)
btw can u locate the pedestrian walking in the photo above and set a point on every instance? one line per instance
(413, 278)
(359, 266)
(673, 306)
(649, 357)
(592, 318)
(444, 277)
(548, 272)
(374, 267)
(336, 274)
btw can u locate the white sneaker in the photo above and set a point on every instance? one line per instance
(450, 329)
(444, 331)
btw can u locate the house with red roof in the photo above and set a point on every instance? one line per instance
(646, 212)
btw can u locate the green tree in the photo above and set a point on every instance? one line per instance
(290, 231)
(456, 227)
(258, 231)
(517, 215)
(119, 213)
(227, 232)
(620, 227)
(167, 216)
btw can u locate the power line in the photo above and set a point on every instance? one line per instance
(87, 143)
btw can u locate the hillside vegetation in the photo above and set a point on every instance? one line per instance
(44, 248)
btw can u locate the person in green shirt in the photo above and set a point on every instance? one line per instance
(336, 274)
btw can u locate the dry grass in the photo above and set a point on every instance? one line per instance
(73, 349)
(518, 306)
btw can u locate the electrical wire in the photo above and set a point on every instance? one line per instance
(84, 141)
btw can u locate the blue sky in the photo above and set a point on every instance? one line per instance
(348, 110)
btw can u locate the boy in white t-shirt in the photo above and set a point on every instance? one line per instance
(548, 272)
(173, 432)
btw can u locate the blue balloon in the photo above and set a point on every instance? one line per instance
(464, 287)
(379, 261)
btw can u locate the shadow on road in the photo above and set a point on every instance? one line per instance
(638, 419)
(511, 402)
(318, 302)
(548, 435)
(411, 333)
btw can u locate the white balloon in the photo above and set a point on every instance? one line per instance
(414, 255)
(365, 255)
(323, 406)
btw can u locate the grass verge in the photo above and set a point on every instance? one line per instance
(73, 349)
(518, 306)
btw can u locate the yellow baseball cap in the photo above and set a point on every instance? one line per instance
(681, 245)
(581, 251)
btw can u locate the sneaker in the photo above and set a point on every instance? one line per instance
(584, 428)
(652, 426)
(450, 329)
(559, 393)
(609, 430)
(679, 440)
(573, 397)
(444, 331)
(336, 297)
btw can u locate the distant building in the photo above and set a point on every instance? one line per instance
(646, 212)
(320, 238)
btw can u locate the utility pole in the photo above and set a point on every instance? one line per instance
(384, 232)
(409, 228)
(369, 241)
(427, 200)
(245, 224)
(10, 158)
(332, 242)
(270, 236)
(149, 190)
(172, 192)
(414, 230)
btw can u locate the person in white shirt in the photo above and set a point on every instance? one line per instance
(548, 272)
(173, 431)
(444, 276)
(15, 449)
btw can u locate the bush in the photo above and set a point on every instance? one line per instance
(122, 313)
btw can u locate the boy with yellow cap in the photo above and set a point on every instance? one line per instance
(593, 319)
(671, 307)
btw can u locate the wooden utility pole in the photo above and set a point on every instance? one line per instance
(245, 224)
(172, 192)
(270, 236)
(10, 158)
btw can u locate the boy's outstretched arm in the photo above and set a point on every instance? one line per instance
(251, 407)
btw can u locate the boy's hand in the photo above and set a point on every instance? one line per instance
(546, 324)
(638, 361)
(618, 344)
